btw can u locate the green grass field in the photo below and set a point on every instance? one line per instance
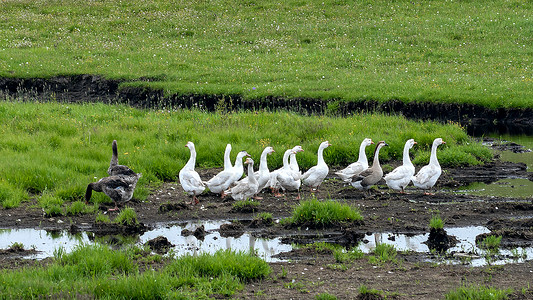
(52, 151)
(445, 51)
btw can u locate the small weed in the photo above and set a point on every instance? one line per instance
(245, 206)
(16, 247)
(436, 222)
(365, 291)
(383, 253)
(102, 219)
(325, 296)
(127, 216)
(491, 242)
(480, 292)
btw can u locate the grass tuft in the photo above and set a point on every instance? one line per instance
(436, 222)
(477, 293)
(127, 217)
(317, 213)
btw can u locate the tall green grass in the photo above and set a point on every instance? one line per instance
(460, 51)
(317, 213)
(478, 293)
(100, 272)
(52, 151)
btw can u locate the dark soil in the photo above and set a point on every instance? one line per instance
(93, 88)
(308, 272)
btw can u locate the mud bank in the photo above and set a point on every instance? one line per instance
(91, 88)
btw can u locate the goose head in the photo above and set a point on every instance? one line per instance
(248, 160)
(324, 145)
(297, 149)
(190, 145)
(269, 150)
(367, 142)
(438, 141)
(242, 154)
(411, 143)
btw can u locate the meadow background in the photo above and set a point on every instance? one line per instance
(442, 51)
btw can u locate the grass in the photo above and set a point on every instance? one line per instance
(97, 271)
(245, 205)
(464, 51)
(436, 222)
(51, 151)
(317, 213)
(127, 216)
(383, 253)
(477, 293)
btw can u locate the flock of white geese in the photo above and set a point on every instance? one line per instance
(290, 178)
(121, 182)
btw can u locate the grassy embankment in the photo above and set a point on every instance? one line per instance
(52, 151)
(102, 273)
(447, 51)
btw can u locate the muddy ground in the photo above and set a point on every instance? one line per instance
(306, 272)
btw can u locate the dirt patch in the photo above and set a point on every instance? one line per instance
(93, 88)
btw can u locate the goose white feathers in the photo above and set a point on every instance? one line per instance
(357, 167)
(190, 179)
(427, 176)
(288, 178)
(263, 175)
(372, 175)
(400, 177)
(244, 189)
(221, 182)
(227, 159)
(293, 164)
(315, 175)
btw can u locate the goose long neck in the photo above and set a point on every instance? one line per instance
(406, 158)
(362, 154)
(251, 175)
(433, 158)
(192, 160)
(263, 162)
(227, 160)
(114, 158)
(238, 162)
(286, 159)
(376, 156)
(321, 156)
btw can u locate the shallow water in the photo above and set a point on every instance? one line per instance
(466, 250)
(512, 186)
(47, 242)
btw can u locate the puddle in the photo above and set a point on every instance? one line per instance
(46, 242)
(465, 250)
(509, 187)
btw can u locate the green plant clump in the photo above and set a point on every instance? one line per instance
(491, 242)
(477, 293)
(127, 217)
(317, 213)
(436, 222)
(384, 253)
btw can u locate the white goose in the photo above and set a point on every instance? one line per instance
(189, 179)
(287, 177)
(427, 176)
(227, 159)
(400, 177)
(263, 175)
(357, 167)
(245, 188)
(372, 175)
(273, 183)
(224, 179)
(314, 176)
